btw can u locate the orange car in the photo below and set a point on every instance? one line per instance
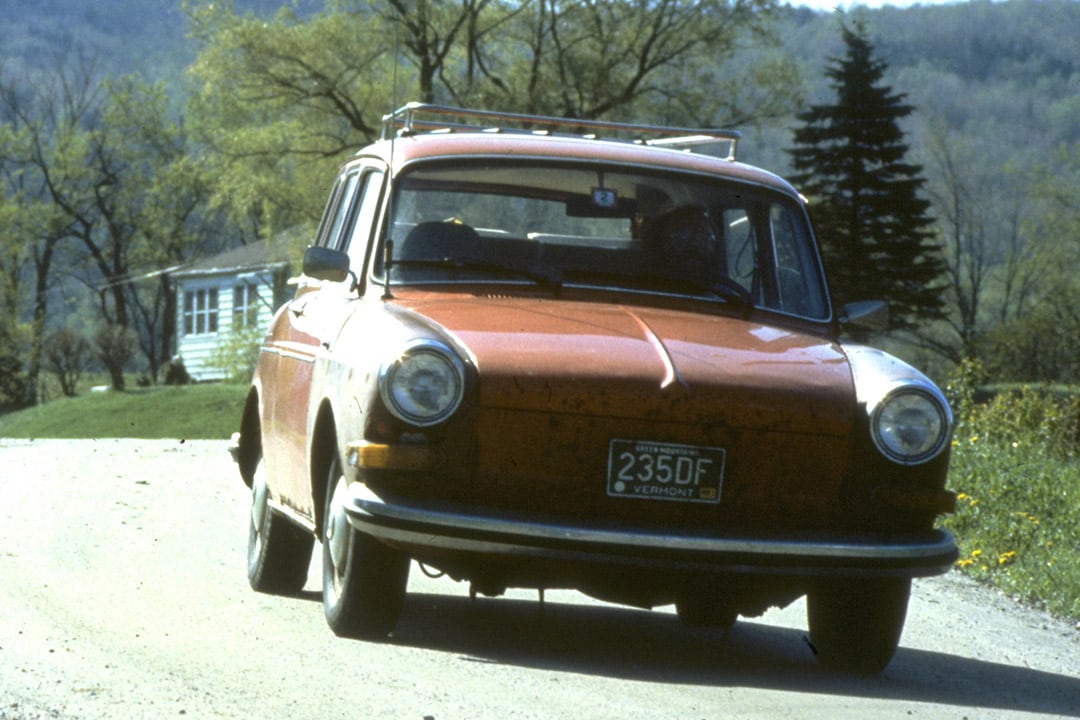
(528, 353)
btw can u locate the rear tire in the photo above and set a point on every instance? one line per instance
(279, 552)
(855, 625)
(364, 581)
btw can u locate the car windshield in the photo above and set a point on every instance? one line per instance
(567, 225)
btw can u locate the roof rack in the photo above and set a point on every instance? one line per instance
(426, 117)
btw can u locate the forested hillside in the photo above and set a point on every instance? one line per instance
(1008, 69)
(1006, 72)
(148, 37)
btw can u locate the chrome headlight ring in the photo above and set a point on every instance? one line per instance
(423, 384)
(910, 424)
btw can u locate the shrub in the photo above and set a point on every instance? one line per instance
(15, 389)
(237, 354)
(67, 354)
(1016, 468)
(176, 373)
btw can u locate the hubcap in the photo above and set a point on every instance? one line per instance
(337, 528)
(258, 497)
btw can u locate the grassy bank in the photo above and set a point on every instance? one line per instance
(1016, 467)
(193, 412)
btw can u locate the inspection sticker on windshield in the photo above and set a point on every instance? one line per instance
(665, 471)
(605, 198)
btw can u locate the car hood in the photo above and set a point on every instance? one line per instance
(582, 358)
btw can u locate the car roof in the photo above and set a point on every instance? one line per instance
(469, 144)
(419, 132)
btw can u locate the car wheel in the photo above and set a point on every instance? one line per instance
(279, 552)
(855, 626)
(364, 581)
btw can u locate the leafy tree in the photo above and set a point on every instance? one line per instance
(115, 346)
(984, 208)
(437, 35)
(667, 61)
(849, 158)
(103, 176)
(1038, 339)
(278, 101)
(32, 227)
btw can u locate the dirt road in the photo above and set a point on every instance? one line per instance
(123, 595)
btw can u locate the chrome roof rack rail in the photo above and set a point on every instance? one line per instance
(426, 117)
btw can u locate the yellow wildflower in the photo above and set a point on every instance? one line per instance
(1006, 557)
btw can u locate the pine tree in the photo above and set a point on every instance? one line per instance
(872, 223)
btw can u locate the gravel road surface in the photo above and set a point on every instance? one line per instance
(123, 596)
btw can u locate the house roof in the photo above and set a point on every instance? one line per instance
(273, 253)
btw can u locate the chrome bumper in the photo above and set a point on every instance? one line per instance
(930, 553)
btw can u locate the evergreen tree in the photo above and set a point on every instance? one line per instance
(872, 223)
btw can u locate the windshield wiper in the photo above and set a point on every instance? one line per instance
(728, 291)
(455, 263)
(724, 290)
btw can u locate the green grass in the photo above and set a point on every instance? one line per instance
(190, 412)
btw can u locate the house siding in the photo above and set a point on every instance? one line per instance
(200, 340)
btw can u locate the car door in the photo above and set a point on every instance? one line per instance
(303, 331)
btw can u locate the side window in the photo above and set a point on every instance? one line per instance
(201, 311)
(740, 246)
(338, 211)
(363, 227)
(798, 288)
(328, 212)
(245, 309)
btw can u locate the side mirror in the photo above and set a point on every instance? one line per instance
(865, 316)
(325, 264)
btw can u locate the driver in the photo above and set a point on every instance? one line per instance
(685, 243)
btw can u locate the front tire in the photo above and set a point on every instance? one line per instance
(364, 581)
(855, 625)
(279, 552)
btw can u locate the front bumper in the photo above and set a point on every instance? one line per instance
(448, 530)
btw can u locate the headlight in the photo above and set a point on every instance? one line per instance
(910, 425)
(424, 384)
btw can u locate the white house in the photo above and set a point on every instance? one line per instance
(226, 294)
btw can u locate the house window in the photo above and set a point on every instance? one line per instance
(201, 311)
(245, 306)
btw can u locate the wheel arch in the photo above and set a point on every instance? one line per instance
(323, 444)
(250, 444)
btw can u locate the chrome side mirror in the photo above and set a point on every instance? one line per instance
(325, 264)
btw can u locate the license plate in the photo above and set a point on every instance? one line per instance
(665, 471)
